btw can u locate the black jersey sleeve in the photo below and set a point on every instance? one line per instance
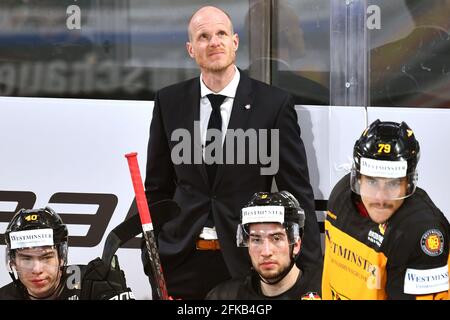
(418, 266)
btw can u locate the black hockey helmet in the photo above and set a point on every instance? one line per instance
(279, 207)
(51, 232)
(387, 150)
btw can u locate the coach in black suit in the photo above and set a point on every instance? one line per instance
(196, 258)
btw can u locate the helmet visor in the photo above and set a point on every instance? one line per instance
(36, 260)
(281, 234)
(381, 187)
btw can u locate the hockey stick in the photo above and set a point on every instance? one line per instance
(131, 227)
(122, 233)
(147, 226)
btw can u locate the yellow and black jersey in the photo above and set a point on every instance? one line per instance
(405, 258)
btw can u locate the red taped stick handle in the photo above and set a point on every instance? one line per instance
(147, 227)
(141, 199)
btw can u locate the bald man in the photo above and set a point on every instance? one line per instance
(195, 159)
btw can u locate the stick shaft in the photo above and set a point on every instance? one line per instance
(147, 226)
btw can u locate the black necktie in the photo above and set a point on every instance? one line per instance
(215, 122)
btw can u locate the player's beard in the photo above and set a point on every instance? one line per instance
(270, 276)
(219, 65)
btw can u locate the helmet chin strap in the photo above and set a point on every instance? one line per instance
(282, 274)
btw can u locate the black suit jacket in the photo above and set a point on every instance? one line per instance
(177, 107)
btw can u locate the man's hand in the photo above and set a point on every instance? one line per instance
(102, 282)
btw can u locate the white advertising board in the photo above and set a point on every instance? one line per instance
(55, 146)
(66, 152)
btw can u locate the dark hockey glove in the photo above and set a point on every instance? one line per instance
(102, 282)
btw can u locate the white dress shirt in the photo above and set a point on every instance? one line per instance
(225, 109)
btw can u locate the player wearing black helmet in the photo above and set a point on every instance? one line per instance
(271, 227)
(36, 258)
(384, 237)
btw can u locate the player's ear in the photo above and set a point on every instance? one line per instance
(235, 41)
(190, 49)
(297, 246)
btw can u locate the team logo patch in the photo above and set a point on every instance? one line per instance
(432, 242)
(375, 238)
(311, 296)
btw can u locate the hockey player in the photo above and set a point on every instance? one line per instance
(271, 227)
(36, 258)
(384, 238)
